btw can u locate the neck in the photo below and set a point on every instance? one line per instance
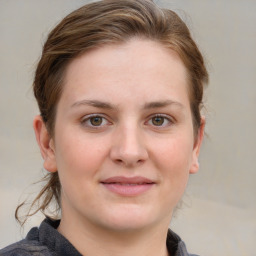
(90, 240)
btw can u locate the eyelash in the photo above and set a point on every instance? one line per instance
(86, 121)
(165, 117)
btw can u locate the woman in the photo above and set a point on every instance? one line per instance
(119, 87)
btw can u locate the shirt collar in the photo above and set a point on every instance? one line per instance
(49, 236)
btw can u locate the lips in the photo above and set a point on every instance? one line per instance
(128, 186)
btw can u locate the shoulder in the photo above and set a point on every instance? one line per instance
(176, 246)
(27, 247)
(182, 250)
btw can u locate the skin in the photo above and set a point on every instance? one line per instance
(126, 86)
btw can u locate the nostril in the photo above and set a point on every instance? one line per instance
(128, 153)
(129, 163)
(119, 161)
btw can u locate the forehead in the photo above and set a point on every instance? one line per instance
(138, 66)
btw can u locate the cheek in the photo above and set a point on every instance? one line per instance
(78, 166)
(174, 159)
(175, 177)
(78, 156)
(174, 154)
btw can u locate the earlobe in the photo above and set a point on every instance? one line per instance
(197, 145)
(45, 143)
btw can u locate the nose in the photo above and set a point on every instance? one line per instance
(128, 147)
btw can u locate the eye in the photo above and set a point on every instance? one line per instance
(94, 121)
(160, 121)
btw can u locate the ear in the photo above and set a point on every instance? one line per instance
(45, 143)
(200, 135)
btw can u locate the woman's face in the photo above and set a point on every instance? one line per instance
(123, 143)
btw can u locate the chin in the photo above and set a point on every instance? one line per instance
(130, 219)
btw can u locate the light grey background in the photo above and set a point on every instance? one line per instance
(219, 213)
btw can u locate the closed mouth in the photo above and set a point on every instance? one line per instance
(121, 180)
(128, 186)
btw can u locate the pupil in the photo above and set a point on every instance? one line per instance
(158, 120)
(96, 121)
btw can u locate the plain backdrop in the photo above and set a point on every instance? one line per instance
(218, 216)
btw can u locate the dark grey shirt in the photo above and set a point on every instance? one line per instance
(47, 241)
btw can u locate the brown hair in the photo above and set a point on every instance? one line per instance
(97, 24)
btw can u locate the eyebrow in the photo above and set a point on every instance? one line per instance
(161, 104)
(106, 105)
(94, 103)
